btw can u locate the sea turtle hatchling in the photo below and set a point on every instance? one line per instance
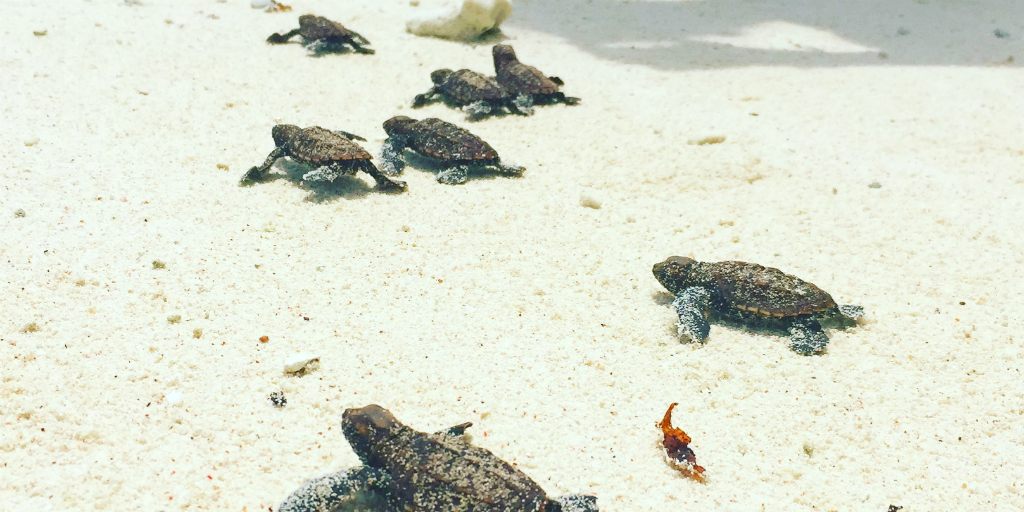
(330, 153)
(452, 150)
(414, 471)
(321, 35)
(477, 94)
(753, 295)
(526, 83)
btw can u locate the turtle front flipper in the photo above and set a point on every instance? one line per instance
(456, 431)
(392, 162)
(282, 38)
(455, 175)
(257, 173)
(692, 307)
(329, 492)
(349, 136)
(807, 337)
(384, 182)
(430, 97)
(573, 503)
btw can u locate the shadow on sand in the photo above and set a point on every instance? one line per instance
(804, 33)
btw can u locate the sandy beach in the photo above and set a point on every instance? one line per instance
(875, 150)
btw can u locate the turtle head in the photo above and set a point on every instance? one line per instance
(674, 273)
(366, 428)
(307, 19)
(503, 55)
(284, 132)
(440, 76)
(399, 126)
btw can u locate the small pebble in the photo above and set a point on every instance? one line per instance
(19, 213)
(875, 184)
(589, 202)
(32, 140)
(301, 362)
(277, 398)
(39, 32)
(1000, 33)
(174, 398)
(264, 339)
(260, 4)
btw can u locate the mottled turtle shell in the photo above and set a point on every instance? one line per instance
(760, 290)
(317, 145)
(437, 472)
(440, 140)
(518, 77)
(317, 27)
(467, 86)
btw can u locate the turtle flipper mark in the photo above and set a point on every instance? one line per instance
(807, 337)
(391, 159)
(329, 492)
(692, 307)
(454, 175)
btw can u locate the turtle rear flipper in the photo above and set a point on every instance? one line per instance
(454, 175)
(850, 311)
(329, 492)
(806, 337)
(523, 104)
(692, 307)
(282, 38)
(392, 162)
(478, 109)
(573, 503)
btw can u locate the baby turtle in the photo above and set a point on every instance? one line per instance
(332, 154)
(750, 294)
(443, 145)
(468, 90)
(415, 471)
(526, 83)
(321, 35)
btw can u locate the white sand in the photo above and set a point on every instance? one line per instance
(503, 301)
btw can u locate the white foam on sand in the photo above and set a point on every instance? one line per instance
(505, 302)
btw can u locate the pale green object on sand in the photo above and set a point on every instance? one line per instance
(461, 20)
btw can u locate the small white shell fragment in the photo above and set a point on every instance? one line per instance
(300, 361)
(174, 398)
(460, 19)
(32, 140)
(260, 4)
